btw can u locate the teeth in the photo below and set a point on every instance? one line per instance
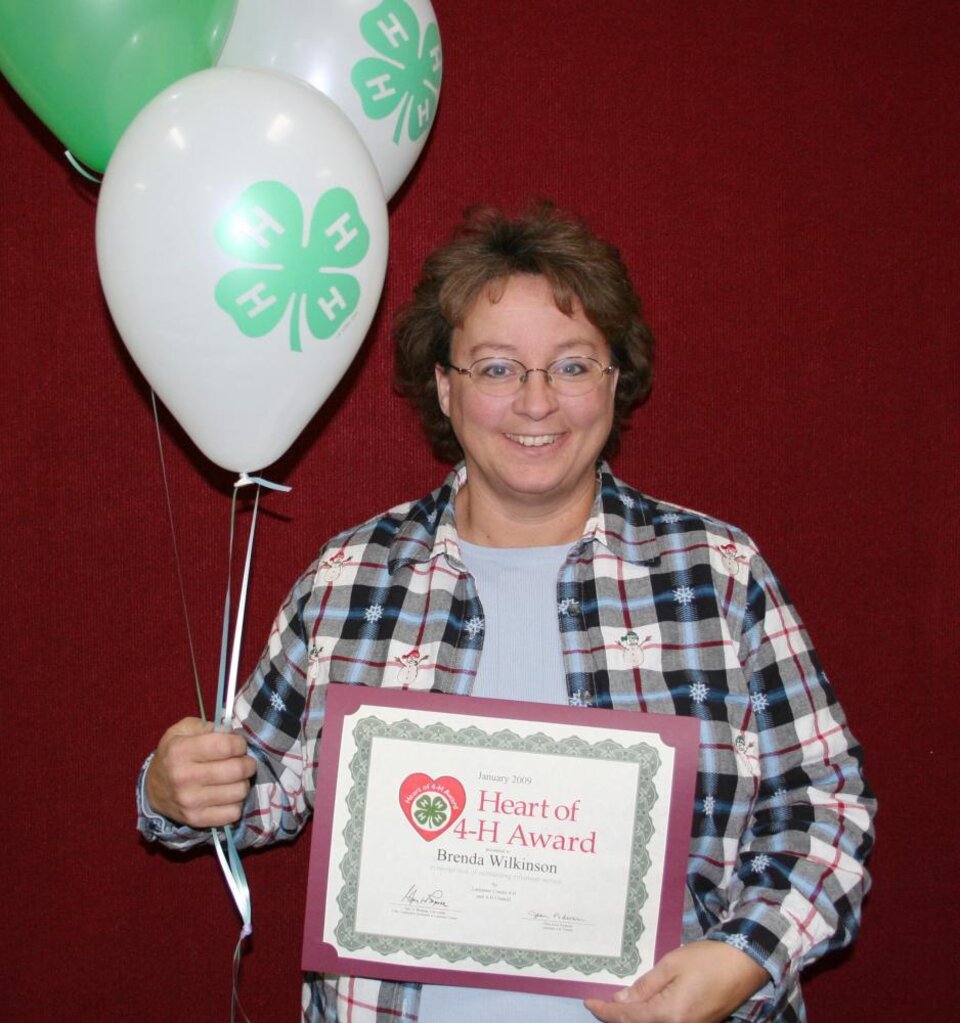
(533, 442)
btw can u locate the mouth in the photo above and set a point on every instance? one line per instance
(538, 441)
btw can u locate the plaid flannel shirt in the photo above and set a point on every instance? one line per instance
(660, 609)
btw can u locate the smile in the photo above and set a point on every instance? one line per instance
(534, 442)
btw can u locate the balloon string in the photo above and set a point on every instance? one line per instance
(176, 559)
(224, 841)
(79, 168)
(225, 708)
(235, 994)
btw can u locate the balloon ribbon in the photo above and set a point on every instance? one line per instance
(79, 168)
(224, 842)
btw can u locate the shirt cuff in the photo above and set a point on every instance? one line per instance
(155, 827)
(767, 950)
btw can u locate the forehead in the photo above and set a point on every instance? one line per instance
(521, 314)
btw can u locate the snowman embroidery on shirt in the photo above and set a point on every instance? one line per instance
(331, 567)
(746, 750)
(632, 648)
(732, 558)
(410, 667)
(313, 663)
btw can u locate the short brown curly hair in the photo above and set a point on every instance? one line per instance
(485, 250)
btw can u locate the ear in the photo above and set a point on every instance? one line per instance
(442, 377)
(614, 380)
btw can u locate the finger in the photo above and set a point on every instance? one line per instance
(215, 816)
(202, 776)
(210, 746)
(223, 772)
(617, 1012)
(638, 1003)
(221, 795)
(194, 801)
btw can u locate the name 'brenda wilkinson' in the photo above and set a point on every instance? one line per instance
(500, 832)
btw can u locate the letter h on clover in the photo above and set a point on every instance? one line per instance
(289, 272)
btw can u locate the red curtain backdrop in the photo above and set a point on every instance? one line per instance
(780, 178)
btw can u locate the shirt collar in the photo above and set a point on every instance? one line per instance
(620, 520)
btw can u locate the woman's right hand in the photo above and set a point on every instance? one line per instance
(198, 776)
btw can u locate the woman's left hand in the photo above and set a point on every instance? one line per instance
(698, 983)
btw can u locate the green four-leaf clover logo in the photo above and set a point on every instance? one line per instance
(265, 228)
(407, 80)
(430, 813)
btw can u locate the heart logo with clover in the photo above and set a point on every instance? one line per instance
(431, 805)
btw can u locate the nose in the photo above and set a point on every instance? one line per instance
(536, 398)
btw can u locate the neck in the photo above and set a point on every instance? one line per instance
(489, 523)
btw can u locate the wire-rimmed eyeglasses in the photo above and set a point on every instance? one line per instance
(573, 374)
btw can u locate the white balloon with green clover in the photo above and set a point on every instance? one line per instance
(380, 61)
(242, 247)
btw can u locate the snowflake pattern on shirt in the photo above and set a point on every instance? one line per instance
(473, 626)
(760, 863)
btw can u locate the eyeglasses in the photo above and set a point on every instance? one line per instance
(573, 374)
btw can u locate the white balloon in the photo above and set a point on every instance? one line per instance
(242, 246)
(380, 61)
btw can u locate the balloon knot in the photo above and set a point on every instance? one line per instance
(244, 480)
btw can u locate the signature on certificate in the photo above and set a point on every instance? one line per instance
(413, 897)
(557, 921)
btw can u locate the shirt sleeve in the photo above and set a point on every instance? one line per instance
(800, 875)
(279, 711)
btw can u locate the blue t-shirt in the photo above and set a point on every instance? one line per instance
(522, 660)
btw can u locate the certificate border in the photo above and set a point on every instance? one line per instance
(642, 754)
(342, 701)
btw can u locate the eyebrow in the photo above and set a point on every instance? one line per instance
(482, 348)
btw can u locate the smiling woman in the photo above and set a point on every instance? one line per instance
(530, 452)
(484, 254)
(534, 574)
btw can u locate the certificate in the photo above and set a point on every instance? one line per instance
(489, 843)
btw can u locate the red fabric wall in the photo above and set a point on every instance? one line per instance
(780, 177)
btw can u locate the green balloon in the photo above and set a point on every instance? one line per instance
(87, 67)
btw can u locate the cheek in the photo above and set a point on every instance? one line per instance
(598, 416)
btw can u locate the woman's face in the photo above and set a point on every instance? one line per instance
(533, 449)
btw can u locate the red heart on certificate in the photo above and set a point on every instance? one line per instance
(431, 804)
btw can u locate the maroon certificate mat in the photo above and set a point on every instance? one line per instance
(489, 843)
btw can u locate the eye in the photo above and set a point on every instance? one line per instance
(497, 369)
(572, 368)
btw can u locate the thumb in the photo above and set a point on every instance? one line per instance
(648, 985)
(190, 726)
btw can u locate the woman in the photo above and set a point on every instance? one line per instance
(532, 573)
